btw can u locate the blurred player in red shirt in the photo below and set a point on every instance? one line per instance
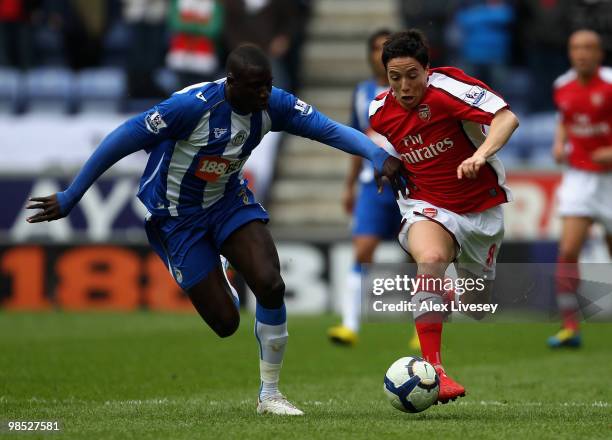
(435, 118)
(583, 141)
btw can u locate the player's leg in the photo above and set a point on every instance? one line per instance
(574, 232)
(475, 295)
(196, 267)
(482, 235)
(212, 298)
(368, 226)
(364, 247)
(433, 248)
(251, 251)
(609, 243)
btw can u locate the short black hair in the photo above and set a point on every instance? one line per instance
(383, 32)
(411, 43)
(245, 56)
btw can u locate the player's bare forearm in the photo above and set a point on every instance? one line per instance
(503, 125)
(558, 149)
(560, 133)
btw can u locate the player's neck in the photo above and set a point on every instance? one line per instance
(585, 78)
(232, 102)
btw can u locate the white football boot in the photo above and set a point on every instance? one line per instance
(279, 405)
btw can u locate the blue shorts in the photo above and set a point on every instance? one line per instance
(376, 214)
(189, 245)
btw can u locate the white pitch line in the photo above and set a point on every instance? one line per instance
(330, 402)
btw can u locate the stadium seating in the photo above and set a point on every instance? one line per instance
(10, 86)
(100, 90)
(49, 90)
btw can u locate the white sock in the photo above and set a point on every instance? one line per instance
(270, 374)
(351, 300)
(271, 333)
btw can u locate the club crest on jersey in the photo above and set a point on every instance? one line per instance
(430, 212)
(475, 95)
(239, 138)
(302, 107)
(218, 132)
(154, 122)
(424, 112)
(178, 275)
(597, 99)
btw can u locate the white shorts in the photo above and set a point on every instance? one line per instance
(586, 194)
(478, 235)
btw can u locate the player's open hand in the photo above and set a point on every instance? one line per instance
(49, 206)
(469, 167)
(398, 176)
(602, 156)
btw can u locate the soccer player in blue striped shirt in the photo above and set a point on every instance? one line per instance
(199, 205)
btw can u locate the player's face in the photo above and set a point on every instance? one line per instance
(585, 52)
(376, 63)
(250, 89)
(408, 79)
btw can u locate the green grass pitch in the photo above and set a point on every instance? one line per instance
(165, 376)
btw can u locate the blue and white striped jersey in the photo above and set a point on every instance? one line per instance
(198, 145)
(204, 144)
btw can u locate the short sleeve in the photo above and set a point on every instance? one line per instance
(468, 98)
(174, 118)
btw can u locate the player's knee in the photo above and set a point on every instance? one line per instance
(226, 326)
(270, 289)
(364, 256)
(271, 284)
(433, 262)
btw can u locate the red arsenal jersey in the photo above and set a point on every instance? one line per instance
(586, 113)
(440, 133)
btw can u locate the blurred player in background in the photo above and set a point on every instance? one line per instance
(199, 205)
(376, 216)
(583, 141)
(434, 118)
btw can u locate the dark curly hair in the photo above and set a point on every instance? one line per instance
(411, 43)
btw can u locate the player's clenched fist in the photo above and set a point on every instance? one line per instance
(470, 167)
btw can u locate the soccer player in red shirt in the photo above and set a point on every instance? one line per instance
(435, 118)
(583, 141)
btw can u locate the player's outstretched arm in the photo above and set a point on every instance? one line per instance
(353, 141)
(502, 126)
(124, 140)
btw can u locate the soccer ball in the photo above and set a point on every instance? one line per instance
(411, 384)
